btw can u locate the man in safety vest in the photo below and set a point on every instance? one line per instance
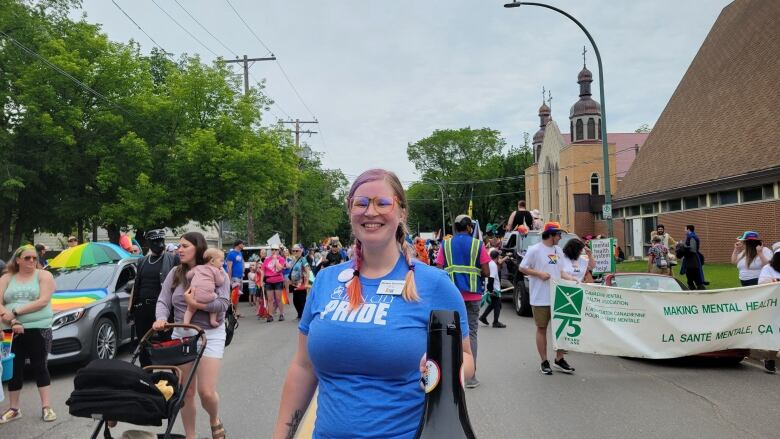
(466, 261)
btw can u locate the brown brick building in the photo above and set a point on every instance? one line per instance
(713, 157)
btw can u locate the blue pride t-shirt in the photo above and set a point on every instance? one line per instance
(237, 259)
(367, 361)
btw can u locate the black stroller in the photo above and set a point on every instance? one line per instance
(115, 390)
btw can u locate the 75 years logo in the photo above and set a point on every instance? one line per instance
(567, 308)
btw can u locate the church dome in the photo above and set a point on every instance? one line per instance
(544, 109)
(585, 75)
(539, 136)
(585, 105)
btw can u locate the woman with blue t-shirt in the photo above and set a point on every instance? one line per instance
(363, 332)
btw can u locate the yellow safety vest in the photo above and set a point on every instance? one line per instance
(469, 270)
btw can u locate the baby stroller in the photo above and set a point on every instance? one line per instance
(115, 390)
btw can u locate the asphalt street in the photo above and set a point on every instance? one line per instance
(607, 397)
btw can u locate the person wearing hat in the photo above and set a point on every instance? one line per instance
(750, 257)
(299, 279)
(72, 241)
(541, 263)
(152, 271)
(465, 259)
(273, 277)
(334, 256)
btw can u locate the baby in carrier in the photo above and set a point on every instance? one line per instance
(204, 280)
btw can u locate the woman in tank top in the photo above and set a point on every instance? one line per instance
(25, 308)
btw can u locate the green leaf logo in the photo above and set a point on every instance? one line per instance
(568, 309)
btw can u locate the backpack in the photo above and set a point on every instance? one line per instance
(660, 259)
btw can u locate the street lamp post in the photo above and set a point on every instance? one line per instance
(440, 185)
(604, 145)
(443, 224)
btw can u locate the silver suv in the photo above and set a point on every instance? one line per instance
(515, 245)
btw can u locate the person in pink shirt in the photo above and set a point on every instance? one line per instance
(273, 269)
(204, 280)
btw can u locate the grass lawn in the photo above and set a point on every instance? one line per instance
(718, 275)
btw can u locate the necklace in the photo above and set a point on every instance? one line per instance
(158, 259)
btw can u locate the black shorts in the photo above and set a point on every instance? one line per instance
(274, 286)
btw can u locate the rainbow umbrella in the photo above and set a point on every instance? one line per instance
(90, 253)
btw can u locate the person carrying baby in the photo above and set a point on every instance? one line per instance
(204, 280)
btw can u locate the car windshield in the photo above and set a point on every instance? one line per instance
(95, 276)
(646, 282)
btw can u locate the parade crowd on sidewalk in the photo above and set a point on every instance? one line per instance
(334, 285)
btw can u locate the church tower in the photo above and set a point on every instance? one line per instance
(544, 117)
(585, 115)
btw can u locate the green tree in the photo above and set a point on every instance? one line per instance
(320, 206)
(644, 128)
(158, 142)
(466, 164)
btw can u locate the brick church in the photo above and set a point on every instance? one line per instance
(566, 181)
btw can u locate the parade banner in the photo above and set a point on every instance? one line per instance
(651, 324)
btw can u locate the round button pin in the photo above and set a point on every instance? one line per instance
(346, 275)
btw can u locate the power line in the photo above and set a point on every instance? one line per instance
(204, 28)
(185, 29)
(281, 68)
(324, 143)
(138, 26)
(295, 89)
(248, 27)
(61, 71)
(274, 102)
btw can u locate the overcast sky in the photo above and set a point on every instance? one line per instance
(378, 75)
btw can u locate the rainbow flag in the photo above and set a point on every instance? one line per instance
(5, 347)
(70, 299)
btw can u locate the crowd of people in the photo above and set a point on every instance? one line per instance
(365, 317)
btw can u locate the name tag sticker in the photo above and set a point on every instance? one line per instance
(391, 287)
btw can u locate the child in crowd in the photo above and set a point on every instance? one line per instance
(252, 284)
(204, 280)
(493, 290)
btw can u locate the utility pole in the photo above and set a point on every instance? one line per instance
(250, 220)
(300, 154)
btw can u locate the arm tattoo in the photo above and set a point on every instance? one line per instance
(293, 424)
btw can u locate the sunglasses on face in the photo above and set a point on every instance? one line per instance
(28, 258)
(382, 205)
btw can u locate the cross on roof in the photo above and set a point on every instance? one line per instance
(543, 94)
(584, 51)
(549, 99)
